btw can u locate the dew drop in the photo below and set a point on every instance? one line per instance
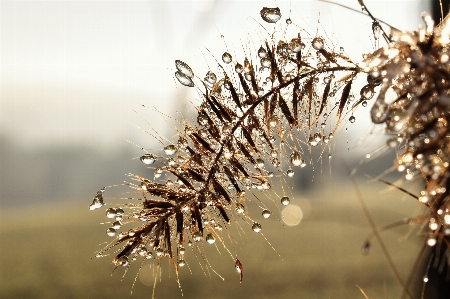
(182, 250)
(239, 208)
(197, 236)
(111, 232)
(239, 68)
(111, 213)
(121, 261)
(98, 201)
(352, 119)
(170, 149)
(148, 159)
(256, 227)
(364, 103)
(262, 53)
(181, 263)
(183, 79)
(296, 159)
(260, 163)
(270, 15)
(184, 69)
(317, 43)
(210, 239)
(116, 224)
(210, 77)
(273, 121)
(226, 57)
(296, 45)
(266, 213)
(265, 62)
(290, 173)
(274, 153)
(367, 92)
(285, 200)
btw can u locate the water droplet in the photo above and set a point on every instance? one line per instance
(262, 52)
(312, 141)
(182, 250)
(239, 208)
(285, 200)
(317, 43)
(210, 239)
(341, 49)
(364, 103)
(273, 121)
(184, 69)
(183, 79)
(210, 77)
(352, 119)
(116, 224)
(367, 92)
(288, 21)
(266, 213)
(197, 236)
(295, 45)
(181, 263)
(317, 137)
(143, 251)
(256, 227)
(270, 174)
(379, 112)
(148, 159)
(111, 232)
(111, 213)
(265, 62)
(226, 57)
(170, 149)
(239, 68)
(98, 200)
(121, 261)
(296, 159)
(260, 162)
(270, 15)
(290, 173)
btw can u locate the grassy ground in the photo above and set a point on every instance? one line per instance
(46, 253)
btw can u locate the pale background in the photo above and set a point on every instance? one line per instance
(74, 77)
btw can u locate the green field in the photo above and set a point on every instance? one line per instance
(46, 253)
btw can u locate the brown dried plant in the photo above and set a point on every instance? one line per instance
(286, 101)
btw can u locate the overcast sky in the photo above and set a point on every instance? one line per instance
(75, 71)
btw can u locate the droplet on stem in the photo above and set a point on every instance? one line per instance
(270, 15)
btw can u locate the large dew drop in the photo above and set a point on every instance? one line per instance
(170, 149)
(98, 201)
(226, 57)
(184, 69)
(183, 79)
(270, 15)
(256, 227)
(317, 43)
(285, 200)
(148, 159)
(296, 159)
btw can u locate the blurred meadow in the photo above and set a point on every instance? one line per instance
(75, 76)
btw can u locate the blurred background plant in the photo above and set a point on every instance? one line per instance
(73, 72)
